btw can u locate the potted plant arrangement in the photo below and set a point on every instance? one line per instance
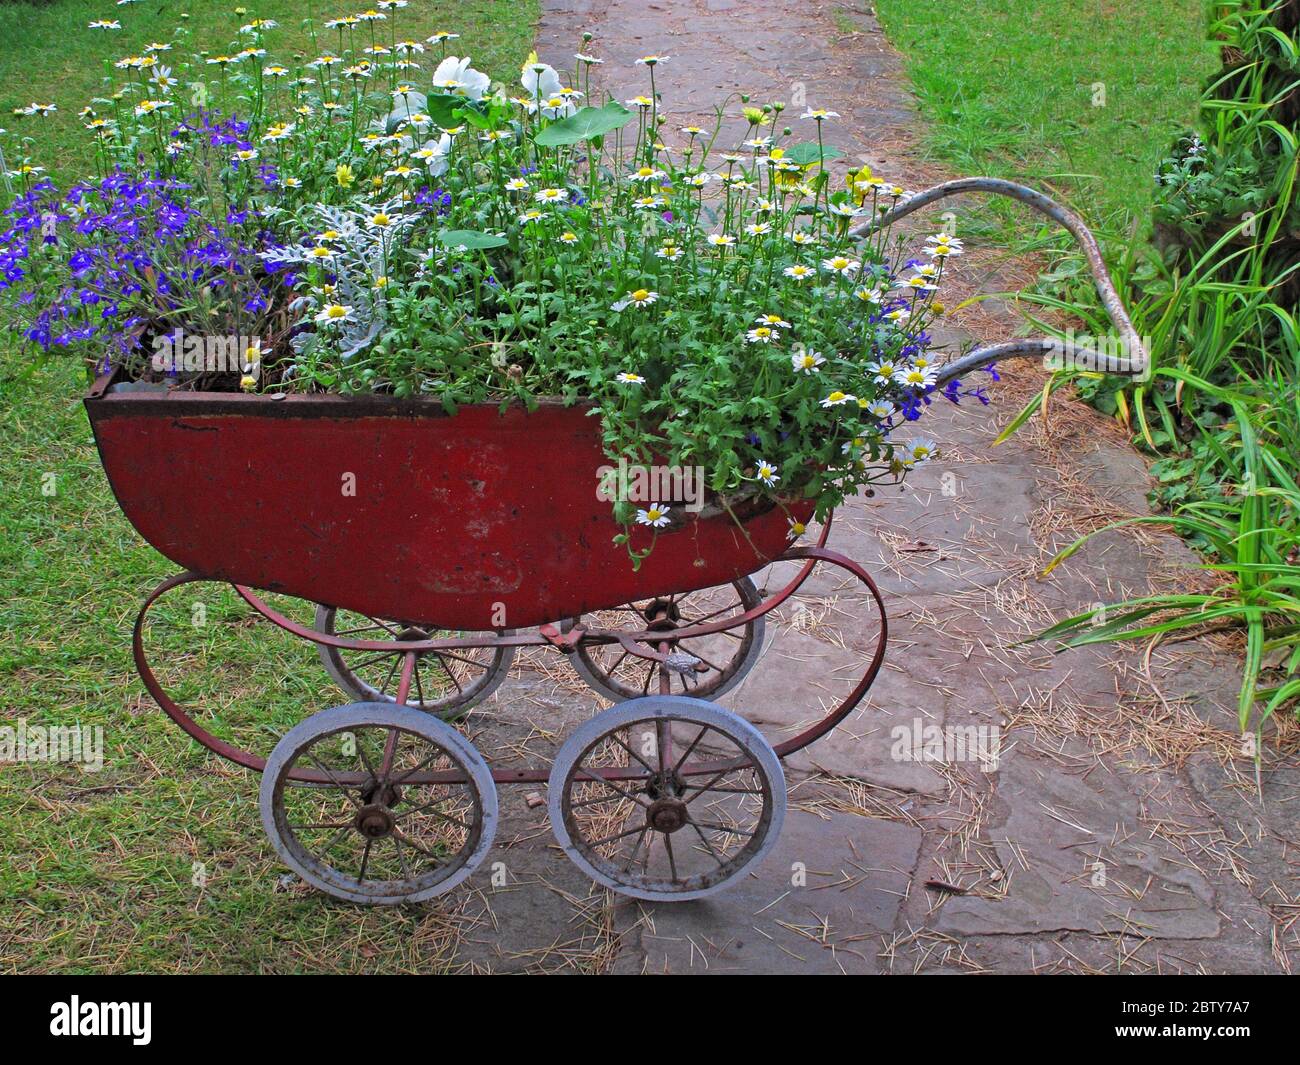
(385, 221)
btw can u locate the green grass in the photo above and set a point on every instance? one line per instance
(48, 55)
(98, 868)
(1007, 89)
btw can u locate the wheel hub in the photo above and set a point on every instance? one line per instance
(662, 615)
(374, 821)
(666, 815)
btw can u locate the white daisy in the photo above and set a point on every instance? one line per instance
(807, 361)
(655, 515)
(641, 297)
(840, 264)
(766, 473)
(919, 452)
(334, 314)
(916, 378)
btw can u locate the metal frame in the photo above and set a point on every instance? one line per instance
(636, 643)
(1138, 362)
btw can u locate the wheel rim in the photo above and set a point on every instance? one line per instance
(369, 832)
(631, 805)
(728, 655)
(443, 683)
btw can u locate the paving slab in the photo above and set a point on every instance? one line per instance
(823, 901)
(802, 677)
(1076, 857)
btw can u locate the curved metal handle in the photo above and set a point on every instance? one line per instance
(1133, 361)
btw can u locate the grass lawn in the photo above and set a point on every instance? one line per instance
(157, 862)
(1010, 89)
(48, 55)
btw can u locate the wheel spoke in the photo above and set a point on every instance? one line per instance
(700, 789)
(378, 656)
(334, 781)
(401, 856)
(365, 759)
(437, 752)
(429, 809)
(365, 861)
(337, 838)
(616, 835)
(397, 661)
(447, 669)
(390, 753)
(627, 795)
(648, 767)
(415, 675)
(696, 654)
(709, 617)
(593, 802)
(621, 659)
(704, 730)
(357, 632)
(460, 658)
(632, 857)
(704, 839)
(399, 834)
(381, 623)
(672, 861)
(714, 826)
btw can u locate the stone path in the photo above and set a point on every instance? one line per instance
(1120, 829)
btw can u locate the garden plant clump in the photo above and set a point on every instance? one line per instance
(1218, 297)
(383, 218)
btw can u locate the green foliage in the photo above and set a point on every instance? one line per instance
(588, 124)
(1219, 311)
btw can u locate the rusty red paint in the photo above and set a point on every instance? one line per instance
(474, 522)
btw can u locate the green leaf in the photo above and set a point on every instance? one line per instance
(442, 108)
(811, 152)
(587, 124)
(469, 238)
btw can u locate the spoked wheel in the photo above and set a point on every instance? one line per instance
(724, 657)
(444, 683)
(666, 798)
(402, 807)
